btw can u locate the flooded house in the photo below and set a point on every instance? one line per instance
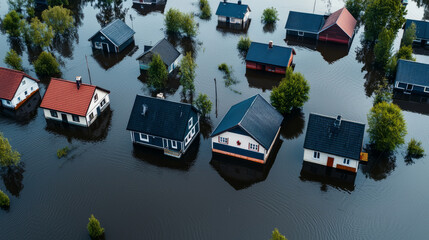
(233, 14)
(113, 38)
(422, 31)
(149, 2)
(162, 124)
(305, 25)
(16, 88)
(269, 57)
(334, 142)
(412, 78)
(248, 131)
(167, 52)
(74, 102)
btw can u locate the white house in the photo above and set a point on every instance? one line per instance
(74, 102)
(15, 88)
(248, 130)
(334, 142)
(233, 13)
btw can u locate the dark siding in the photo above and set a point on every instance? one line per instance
(126, 44)
(239, 151)
(334, 34)
(97, 38)
(418, 89)
(153, 141)
(306, 34)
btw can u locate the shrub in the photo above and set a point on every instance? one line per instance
(40, 33)
(244, 44)
(205, 9)
(415, 149)
(4, 200)
(276, 235)
(94, 228)
(63, 152)
(13, 60)
(157, 73)
(203, 104)
(270, 15)
(8, 156)
(229, 79)
(11, 24)
(173, 20)
(224, 68)
(405, 52)
(47, 65)
(59, 18)
(187, 72)
(409, 35)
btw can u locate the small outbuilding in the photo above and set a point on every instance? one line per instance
(422, 30)
(334, 142)
(74, 102)
(113, 38)
(305, 25)
(16, 87)
(269, 57)
(149, 2)
(162, 124)
(248, 131)
(233, 13)
(339, 27)
(412, 78)
(169, 55)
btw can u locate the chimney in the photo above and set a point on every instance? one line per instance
(224, 1)
(78, 81)
(337, 122)
(270, 44)
(160, 95)
(239, 2)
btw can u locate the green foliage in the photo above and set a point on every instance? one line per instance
(157, 73)
(17, 5)
(206, 12)
(94, 228)
(383, 47)
(62, 152)
(383, 14)
(277, 235)
(58, 2)
(4, 200)
(59, 18)
(292, 92)
(47, 65)
(409, 35)
(383, 93)
(173, 21)
(405, 52)
(355, 7)
(203, 104)
(415, 149)
(13, 60)
(244, 44)
(11, 23)
(187, 72)
(229, 79)
(40, 33)
(224, 68)
(189, 26)
(8, 156)
(270, 15)
(386, 126)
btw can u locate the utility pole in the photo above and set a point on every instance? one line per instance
(87, 66)
(215, 95)
(314, 7)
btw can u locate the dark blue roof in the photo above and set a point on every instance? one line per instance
(256, 117)
(345, 141)
(305, 22)
(165, 49)
(422, 28)
(117, 32)
(277, 55)
(232, 10)
(163, 118)
(412, 72)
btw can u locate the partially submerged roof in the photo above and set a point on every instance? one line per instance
(117, 32)
(304, 22)
(422, 28)
(256, 117)
(234, 10)
(165, 49)
(63, 96)
(160, 117)
(9, 82)
(412, 72)
(262, 53)
(344, 19)
(345, 140)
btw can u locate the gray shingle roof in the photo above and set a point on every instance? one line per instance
(422, 28)
(163, 118)
(117, 31)
(232, 10)
(306, 22)
(165, 49)
(255, 116)
(346, 141)
(277, 55)
(412, 72)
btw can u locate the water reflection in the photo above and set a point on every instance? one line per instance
(24, 114)
(206, 127)
(262, 80)
(185, 43)
(374, 76)
(109, 11)
(269, 27)
(145, 9)
(425, 4)
(241, 174)
(12, 178)
(380, 165)
(64, 44)
(108, 60)
(226, 28)
(293, 124)
(17, 45)
(173, 83)
(411, 102)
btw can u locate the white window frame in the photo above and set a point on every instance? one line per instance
(426, 89)
(8, 102)
(412, 87)
(254, 147)
(174, 144)
(142, 138)
(316, 155)
(192, 131)
(223, 140)
(55, 115)
(96, 97)
(75, 116)
(23, 82)
(190, 123)
(103, 102)
(300, 33)
(91, 116)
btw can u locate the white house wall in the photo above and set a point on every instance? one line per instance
(82, 120)
(30, 86)
(94, 104)
(244, 140)
(323, 160)
(246, 16)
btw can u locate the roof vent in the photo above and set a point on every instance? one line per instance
(337, 122)
(160, 95)
(144, 109)
(78, 81)
(270, 44)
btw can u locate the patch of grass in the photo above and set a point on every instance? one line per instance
(415, 149)
(4, 200)
(229, 79)
(63, 152)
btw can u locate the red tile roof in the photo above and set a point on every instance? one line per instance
(9, 82)
(63, 96)
(344, 19)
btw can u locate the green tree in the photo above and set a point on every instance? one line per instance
(13, 60)
(17, 5)
(40, 33)
(157, 73)
(405, 52)
(206, 12)
(173, 21)
(94, 228)
(187, 72)
(244, 44)
(8, 156)
(292, 92)
(386, 126)
(4, 200)
(270, 15)
(355, 7)
(11, 23)
(382, 14)
(383, 47)
(409, 35)
(203, 104)
(415, 149)
(47, 65)
(188, 25)
(276, 235)
(59, 18)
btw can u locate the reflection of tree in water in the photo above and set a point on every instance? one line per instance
(269, 27)
(12, 178)
(17, 45)
(293, 124)
(380, 164)
(425, 4)
(206, 127)
(64, 44)
(173, 83)
(185, 43)
(109, 11)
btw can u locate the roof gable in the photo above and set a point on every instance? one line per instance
(10, 80)
(165, 49)
(117, 32)
(306, 22)
(412, 72)
(344, 19)
(277, 55)
(234, 10)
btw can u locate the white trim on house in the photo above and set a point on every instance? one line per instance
(26, 88)
(323, 159)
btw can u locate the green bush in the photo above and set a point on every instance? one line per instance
(47, 65)
(157, 73)
(409, 35)
(415, 149)
(203, 104)
(4, 200)
(276, 235)
(270, 15)
(94, 228)
(8, 156)
(11, 23)
(13, 60)
(244, 44)
(63, 152)
(59, 18)
(224, 68)
(205, 9)
(177, 22)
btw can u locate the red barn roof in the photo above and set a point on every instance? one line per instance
(9, 82)
(63, 96)
(344, 19)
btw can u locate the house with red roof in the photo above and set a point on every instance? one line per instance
(74, 102)
(16, 87)
(339, 27)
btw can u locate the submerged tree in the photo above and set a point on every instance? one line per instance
(13, 60)
(4, 200)
(409, 35)
(94, 228)
(270, 16)
(415, 149)
(244, 44)
(11, 24)
(276, 235)
(173, 21)
(187, 73)
(383, 47)
(188, 26)
(203, 104)
(157, 73)
(59, 18)
(206, 12)
(46, 65)
(40, 33)
(8, 156)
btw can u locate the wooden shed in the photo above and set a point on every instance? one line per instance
(339, 27)
(269, 57)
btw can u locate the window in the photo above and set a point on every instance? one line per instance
(75, 118)
(96, 97)
(103, 102)
(25, 93)
(174, 144)
(187, 139)
(300, 33)
(97, 44)
(144, 137)
(254, 147)
(31, 88)
(427, 89)
(346, 161)
(192, 132)
(316, 155)
(8, 102)
(23, 82)
(91, 116)
(19, 98)
(409, 87)
(223, 140)
(54, 114)
(190, 123)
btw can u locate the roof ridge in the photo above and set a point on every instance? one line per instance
(110, 23)
(342, 119)
(255, 96)
(163, 99)
(70, 81)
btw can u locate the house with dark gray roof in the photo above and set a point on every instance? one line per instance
(412, 78)
(269, 57)
(167, 52)
(162, 124)
(304, 24)
(422, 30)
(334, 142)
(113, 38)
(233, 13)
(248, 131)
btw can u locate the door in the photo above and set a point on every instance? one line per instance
(64, 117)
(98, 111)
(105, 47)
(228, 19)
(330, 162)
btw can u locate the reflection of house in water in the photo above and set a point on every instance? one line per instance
(106, 60)
(411, 103)
(26, 112)
(145, 9)
(293, 124)
(262, 80)
(240, 174)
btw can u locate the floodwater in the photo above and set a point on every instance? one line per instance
(138, 193)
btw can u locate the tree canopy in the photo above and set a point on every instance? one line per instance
(157, 73)
(409, 35)
(59, 18)
(270, 15)
(11, 23)
(40, 33)
(177, 22)
(13, 60)
(203, 104)
(94, 228)
(8, 156)
(383, 47)
(276, 235)
(46, 65)
(187, 72)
